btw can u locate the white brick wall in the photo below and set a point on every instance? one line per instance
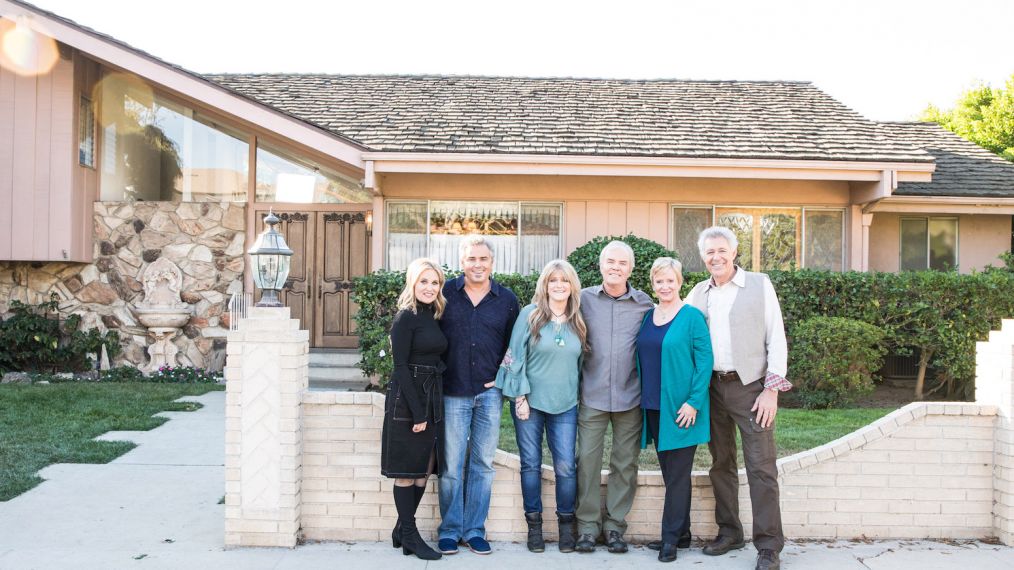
(266, 373)
(928, 470)
(917, 473)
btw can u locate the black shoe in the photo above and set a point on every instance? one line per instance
(615, 542)
(585, 543)
(723, 544)
(767, 560)
(396, 535)
(667, 553)
(567, 532)
(684, 542)
(535, 541)
(412, 543)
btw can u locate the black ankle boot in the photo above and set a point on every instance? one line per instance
(568, 532)
(412, 543)
(535, 541)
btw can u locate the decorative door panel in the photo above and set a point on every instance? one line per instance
(299, 231)
(342, 255)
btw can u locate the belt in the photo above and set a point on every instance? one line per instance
(418, 369)
(724, 376)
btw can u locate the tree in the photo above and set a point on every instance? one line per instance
(983, 115)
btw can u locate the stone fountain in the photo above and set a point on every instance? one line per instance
(162, 311)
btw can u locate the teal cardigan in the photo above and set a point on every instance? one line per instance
(687, 362)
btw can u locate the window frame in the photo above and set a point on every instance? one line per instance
(673, 206)
(929, 238)
(86, 112)
(520, 205)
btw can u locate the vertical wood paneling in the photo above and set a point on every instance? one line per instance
(71, 207)
(41, 159)
(574, 223)
(596, 220)
(638, 219)
(6, 161)
(617, 218)
(23, 167)
(659, 223)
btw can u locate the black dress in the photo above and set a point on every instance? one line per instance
(415, 395)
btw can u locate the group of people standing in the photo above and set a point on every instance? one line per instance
(571, 364)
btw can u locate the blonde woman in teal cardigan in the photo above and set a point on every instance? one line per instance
(674, 360)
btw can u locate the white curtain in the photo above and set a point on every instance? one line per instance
(537, 251)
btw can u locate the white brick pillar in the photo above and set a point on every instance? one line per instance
(994, 385)
(266, 375)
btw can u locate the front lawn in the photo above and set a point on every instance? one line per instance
(797, 430)
(43, 424)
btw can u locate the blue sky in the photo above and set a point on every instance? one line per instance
(886, 59)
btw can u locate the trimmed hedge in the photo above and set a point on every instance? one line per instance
(938, 315)
(833, 360)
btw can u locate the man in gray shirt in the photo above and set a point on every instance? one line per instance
(610, 393)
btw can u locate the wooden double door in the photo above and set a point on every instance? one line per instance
(330, 249)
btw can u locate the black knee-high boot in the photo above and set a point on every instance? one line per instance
(420, 490)
(411, 542)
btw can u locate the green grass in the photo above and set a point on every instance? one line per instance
(45, 424)
(797, 430)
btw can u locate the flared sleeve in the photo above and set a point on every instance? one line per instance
(512, 378)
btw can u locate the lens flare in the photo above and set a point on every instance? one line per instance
(24, 50)
(119, 94)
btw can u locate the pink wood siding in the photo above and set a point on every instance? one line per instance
(41, 214)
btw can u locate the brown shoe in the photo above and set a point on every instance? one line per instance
(723, 544)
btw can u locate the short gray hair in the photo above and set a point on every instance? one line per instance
(617, 244)
(717, 232)
(473, 240)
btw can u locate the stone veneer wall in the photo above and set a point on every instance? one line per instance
(206, 240)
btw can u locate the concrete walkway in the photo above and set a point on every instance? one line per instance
(157, 507)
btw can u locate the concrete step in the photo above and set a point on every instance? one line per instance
(333, 357)
(336, 373)
(339, 385)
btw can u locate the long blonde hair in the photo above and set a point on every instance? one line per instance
(543, 314)
(415, 270)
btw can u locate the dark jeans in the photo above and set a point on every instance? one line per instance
(730, 408)
(676, 465)
(561, 433)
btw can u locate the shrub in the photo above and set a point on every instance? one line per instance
(585, 260)
(182, 375)
(34, 339)
(832, 360)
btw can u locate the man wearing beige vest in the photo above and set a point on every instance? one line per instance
(748, 338)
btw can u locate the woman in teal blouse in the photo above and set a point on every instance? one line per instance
(540, 376)
(674, 360)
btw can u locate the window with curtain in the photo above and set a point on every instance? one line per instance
(929, 243)
(524, 236)
(687, 225)
(86, 134)
(769, 238)
(825, 243)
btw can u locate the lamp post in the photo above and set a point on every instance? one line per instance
(271, 257)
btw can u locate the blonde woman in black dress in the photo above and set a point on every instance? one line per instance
(413, 431)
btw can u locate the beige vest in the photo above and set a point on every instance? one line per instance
(746, 321)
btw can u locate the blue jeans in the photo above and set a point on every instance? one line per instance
(472, 426)
(561, 432)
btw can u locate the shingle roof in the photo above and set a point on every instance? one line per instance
(963, 167)
(659, 118)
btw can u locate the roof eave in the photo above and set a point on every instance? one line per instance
(187, 83)
(593, 165)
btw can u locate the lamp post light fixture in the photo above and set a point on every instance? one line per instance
(271, 257)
